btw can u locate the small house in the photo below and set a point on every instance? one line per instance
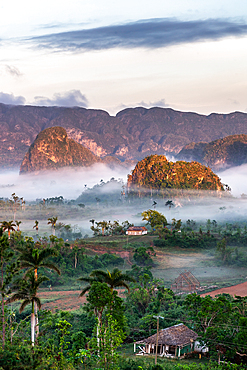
(137, 230)
(186, 282)
(175, 341)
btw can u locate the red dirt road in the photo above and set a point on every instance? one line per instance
(240, 289)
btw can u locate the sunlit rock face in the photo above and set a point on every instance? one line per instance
(156, 172)
(52, 149)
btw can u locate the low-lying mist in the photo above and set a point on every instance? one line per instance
(66, 182)
(112, 204)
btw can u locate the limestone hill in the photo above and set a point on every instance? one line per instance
(219, 154)
(52, 149)
(156, 172)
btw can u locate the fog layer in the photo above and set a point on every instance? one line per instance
(66, 182)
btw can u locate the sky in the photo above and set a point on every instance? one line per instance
(188, 55)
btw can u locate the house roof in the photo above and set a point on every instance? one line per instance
(137, 228)
(176, 335)
(188, 277)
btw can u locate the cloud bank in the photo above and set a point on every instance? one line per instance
(152, 33)
(11, 99)
(72, 98)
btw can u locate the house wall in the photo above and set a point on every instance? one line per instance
(183, 350)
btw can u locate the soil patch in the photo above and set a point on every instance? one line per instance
(62, 300)
(67, 300)
(239, 289)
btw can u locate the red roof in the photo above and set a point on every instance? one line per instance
(137, 228)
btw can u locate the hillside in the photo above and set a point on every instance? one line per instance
(52, 149)
(219, 154)
(130, 135)
(156, 172)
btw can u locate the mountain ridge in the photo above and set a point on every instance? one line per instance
(218, 154)
(132, 134)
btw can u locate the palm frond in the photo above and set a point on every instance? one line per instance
(85, 290)
(50, 266)
(25, 303)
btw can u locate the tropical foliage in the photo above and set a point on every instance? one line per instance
(156, 172)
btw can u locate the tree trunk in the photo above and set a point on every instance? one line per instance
(3, 319)
(36, 320)
(32, 327)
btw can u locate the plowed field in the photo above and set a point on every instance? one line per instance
(240, 289)
(62, 300)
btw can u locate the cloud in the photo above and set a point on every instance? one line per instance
(160, 103)
(152, 33)
(13, 71)
(70, 98)
(11, 99)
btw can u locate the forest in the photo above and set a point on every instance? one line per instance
(121, 300)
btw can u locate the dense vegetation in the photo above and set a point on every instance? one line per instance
(69, 340)
(156, 172)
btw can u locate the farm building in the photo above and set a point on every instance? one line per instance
(186, 282)
(175, 341)
(137, 230)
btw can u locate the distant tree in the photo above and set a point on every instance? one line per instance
(154, 204)
(154, 218)
(36, 226)
(8, 226)
(169, 204)
(18, 225)
(52, 221)
(16, 201)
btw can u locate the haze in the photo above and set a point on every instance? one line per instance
(71, 183)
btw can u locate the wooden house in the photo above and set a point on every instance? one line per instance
(175, 341)
(186, 282)
(137, 230)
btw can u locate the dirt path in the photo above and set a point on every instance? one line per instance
(240, 289)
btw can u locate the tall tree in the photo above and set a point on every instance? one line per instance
(26, 290)
(113, 279)
(32, 258)
(7, 270)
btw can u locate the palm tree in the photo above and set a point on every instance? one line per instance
(27, 292)
(52, 221)
(114, 280)
(36, 226)
(169, 203)
(18, 225)
(16, 200)
(8, 225)
(34, 258)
